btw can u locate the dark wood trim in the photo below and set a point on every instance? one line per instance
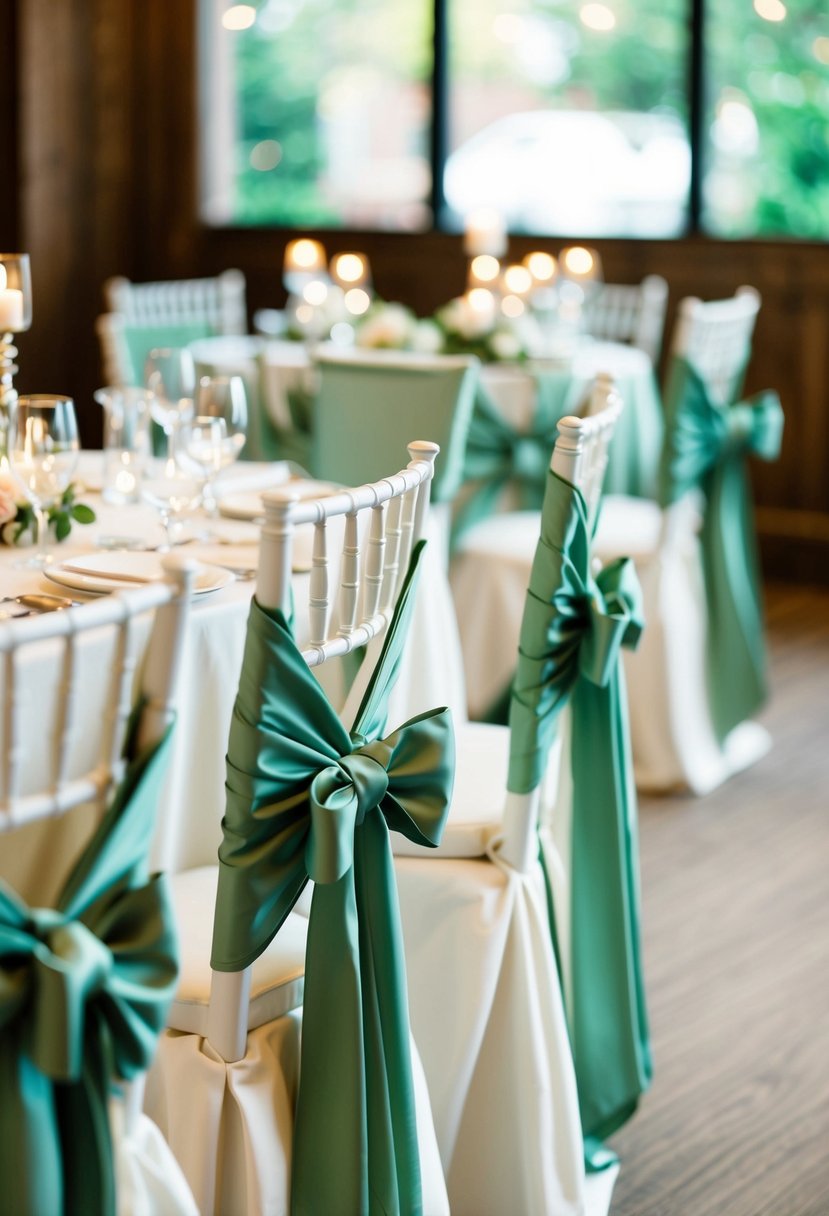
(9, 60)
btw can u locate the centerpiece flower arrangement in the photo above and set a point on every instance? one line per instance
(17, 518)
(484, 331)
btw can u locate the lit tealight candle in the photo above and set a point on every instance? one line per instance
(304, 260)
(518, 280)
(485, 232)
(349, 270)
(11, 305)
(483, 269)
(542, 266)
(580, 263)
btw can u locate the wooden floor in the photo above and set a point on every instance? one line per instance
(736, 925)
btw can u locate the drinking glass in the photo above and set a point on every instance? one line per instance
(213, 438)
(43, 453)
(170, 375)
(169, 488)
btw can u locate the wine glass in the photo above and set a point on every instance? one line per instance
(213, 438)
(169, 488)
(170, 375)
(43, 453)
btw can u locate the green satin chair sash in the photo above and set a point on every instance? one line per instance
(572, 632)
(306, 798)
(84, 993)
(706, 448)
(499, 455)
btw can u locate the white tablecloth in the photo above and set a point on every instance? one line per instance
(189, 826)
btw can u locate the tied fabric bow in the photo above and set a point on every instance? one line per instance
(498, 455)
(706, 448)
(84, 993)
(306, 799)
(572, 632)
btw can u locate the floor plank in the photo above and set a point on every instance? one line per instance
(736, 925)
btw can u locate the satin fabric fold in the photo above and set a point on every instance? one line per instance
(572, 632)
(706, 448)
(499, 455)
(307, 799)
(84, 993)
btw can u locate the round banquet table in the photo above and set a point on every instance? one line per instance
(637, 442)
(280, 382)
(189, 826)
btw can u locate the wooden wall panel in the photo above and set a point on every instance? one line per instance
(107, 141)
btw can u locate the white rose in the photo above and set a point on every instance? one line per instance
(8, 498)
(505, 345)
(427, 338)
(390, 328)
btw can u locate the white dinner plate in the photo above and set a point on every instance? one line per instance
(248, 504)
(98, 572)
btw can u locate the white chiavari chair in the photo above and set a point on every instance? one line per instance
(484, 991)
(633, 313)
(234, 1036)
(87, 697)
(674, 742)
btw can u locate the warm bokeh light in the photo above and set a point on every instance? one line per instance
(770, 10)
(304, 254)
(820, 49)
(578, 261)
(265, 155)
(357, 301)
(348, 268)
(239, 17)
(315, 292)
(512, 306)
(4, 278)
(481, 300)
(304, 314)
(542, 266)
(484, 268)
(597, 17)
(518, 280)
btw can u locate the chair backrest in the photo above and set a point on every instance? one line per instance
(217, 302)
(633, 313)
(366, 401)
(715, 338)
(580, 457)
(46, 719)
(370, 580)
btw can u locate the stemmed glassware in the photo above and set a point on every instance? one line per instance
(170, 375)
(43, 453)
(213, 438)
(170, 488)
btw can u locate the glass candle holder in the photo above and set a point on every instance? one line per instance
(15, 318)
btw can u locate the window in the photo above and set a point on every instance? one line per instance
(570, 117)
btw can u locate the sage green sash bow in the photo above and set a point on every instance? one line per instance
(84, 993)
(706, 447)
(498, 455)
(307, 799)
(572, 632)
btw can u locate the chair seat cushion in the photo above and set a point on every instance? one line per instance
(628, 527)
(278, 978)
(482, 753)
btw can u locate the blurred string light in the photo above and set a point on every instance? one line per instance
(770, 10)
(601, 18)
(239, 17)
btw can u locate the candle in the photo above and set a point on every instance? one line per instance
(11, 305)
(350, 270)
(483, 271)
(485, 233)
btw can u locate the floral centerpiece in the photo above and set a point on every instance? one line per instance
(469, 329)
(395, 327)
(17, 517)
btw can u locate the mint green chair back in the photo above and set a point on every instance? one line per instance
(367, 402)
